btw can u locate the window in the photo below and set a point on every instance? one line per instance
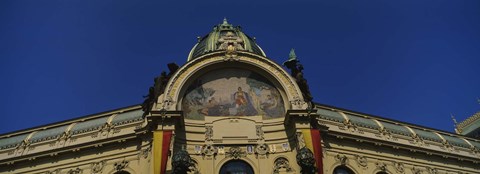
(342, 170)
(236, 167)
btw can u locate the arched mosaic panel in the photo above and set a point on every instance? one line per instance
(232, 92)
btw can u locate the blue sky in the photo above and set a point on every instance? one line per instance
(409, 60)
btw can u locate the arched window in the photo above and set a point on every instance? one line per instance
(122, 172)
(236, 166)
(342, 170)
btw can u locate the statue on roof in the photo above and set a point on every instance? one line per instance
(158, 88)
(296, 70)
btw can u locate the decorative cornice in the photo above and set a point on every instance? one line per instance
(470, 120)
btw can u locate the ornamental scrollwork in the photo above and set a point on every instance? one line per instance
(236, 153)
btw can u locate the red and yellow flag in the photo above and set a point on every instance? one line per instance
(313, 141)
(161, 145)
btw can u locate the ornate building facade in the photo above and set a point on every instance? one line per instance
(230, 109)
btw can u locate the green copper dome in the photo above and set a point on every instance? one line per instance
(225, 35)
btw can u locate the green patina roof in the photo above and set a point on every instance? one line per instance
(330, 115)
(12, 141)
(48, 134)
(363, 122)
(397, 129)
(89, 125)
(427, 135)
(127, 117)
(456, 141)
(210, 42)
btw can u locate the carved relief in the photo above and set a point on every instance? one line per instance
(300, 140)
(399, 167)
(361, 160)
(282, 164)
(416, 170)
(236, 153)
(98, 167)
(120, 165)
(385, 133)
(417, 140)
(262, 149)
(432, 170)
(145, 152)
(209, 150)
(64, 137)
(208, 133)
(75, 171)
(342, 159)
(56, 171)
(259, 132)
(447, 146)
(297, 102)
(381, 166)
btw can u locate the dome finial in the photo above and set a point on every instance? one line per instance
(225, 20)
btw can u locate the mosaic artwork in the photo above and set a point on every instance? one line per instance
(232, 92)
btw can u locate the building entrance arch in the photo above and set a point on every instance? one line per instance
(236, 166)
